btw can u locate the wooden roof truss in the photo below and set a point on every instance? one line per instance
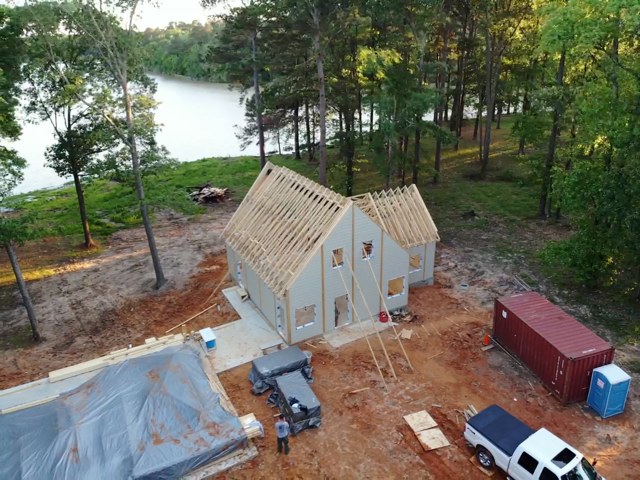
(281, 221)
(402, 214)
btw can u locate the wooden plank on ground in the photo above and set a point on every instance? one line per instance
(432, 439)
(475, 462)
(114, 358)
(420, 421)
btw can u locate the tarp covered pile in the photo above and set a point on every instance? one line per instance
(152, 417)
(265, 369)
(297, 402)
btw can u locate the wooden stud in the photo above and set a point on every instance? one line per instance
(373, 322)
(364, 334)
(386, 310)
(288, 317)
(324, 306)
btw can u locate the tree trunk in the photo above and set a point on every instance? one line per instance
(526, 105)
(348, 119)
(258, 101)
(416, 145)
(322, 107)
(499, 115)
(308, 130)
(371, 110)
(26, 299)
(341, 123)
(446, 98)
(88, 241)
(133, 149)
(296, 129)
(360, 114)
(443, 105)
(493, 72)
(555, 130)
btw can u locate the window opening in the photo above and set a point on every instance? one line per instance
(396, 287)
(305, 316)
(337, 260)
(415, 263)
(367, 250)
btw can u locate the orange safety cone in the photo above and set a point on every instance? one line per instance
(487, 340)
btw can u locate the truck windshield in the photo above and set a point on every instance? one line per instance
(582, 471)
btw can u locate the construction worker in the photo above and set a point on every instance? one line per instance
(282, 430)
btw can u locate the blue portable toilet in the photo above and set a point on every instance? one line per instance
(609, 389)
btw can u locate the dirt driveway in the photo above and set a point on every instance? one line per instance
(91, 307)
(363, 435)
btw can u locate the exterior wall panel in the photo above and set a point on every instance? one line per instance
(551, 343)
(365, 230)
(251, 284)
(305, 291)
(268, 303)
(340, 237)
(232, 264)
(430, 262)
(395, 263)
(417, 276)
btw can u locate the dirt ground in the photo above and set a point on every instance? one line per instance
(363, 435)
(92, 307)
(96, 306)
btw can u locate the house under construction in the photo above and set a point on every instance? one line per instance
(308, 256)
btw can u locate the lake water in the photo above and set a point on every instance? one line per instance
(198, 121)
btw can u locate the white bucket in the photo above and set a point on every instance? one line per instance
(464, 287)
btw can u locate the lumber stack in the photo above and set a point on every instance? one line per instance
(151, 345)
(252, 432)
(209, 194)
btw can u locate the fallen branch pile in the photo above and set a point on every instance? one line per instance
(209, 194)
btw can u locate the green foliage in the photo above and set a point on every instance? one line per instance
(183, 49)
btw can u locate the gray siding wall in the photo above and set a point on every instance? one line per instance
(419, 275)
(340, 237)
(395, 264)
(366, 230)
(430, 262)
(268, 303)
(251, 283)
(232, 264)
(305, 291)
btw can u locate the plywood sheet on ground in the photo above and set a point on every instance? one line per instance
(475, 461)
(239, 342)
(352, 332)
(432, 439)
(420, 421)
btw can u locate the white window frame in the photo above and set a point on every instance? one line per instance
(404, 286)
(315, 316)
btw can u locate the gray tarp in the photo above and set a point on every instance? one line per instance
(152, 417)
(297, 402)
(265, 369)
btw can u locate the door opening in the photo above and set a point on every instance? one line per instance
(343, 312)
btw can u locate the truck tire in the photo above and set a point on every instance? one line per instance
(485, 458)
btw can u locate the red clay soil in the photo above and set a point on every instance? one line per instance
(363, 435)
(149, 316)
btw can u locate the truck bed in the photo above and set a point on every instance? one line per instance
(501, 428)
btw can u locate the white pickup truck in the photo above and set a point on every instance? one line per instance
(501, 440)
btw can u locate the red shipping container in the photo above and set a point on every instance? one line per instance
(551, 343)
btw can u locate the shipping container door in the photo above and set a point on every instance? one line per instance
(511, 326)
(560, 374)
